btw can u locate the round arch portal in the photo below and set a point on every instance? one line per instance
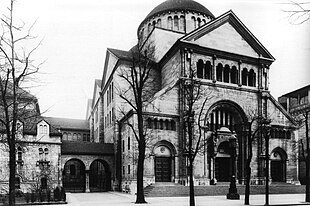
(164, 153)
(74, 176)
(278, 159)
(99, 176)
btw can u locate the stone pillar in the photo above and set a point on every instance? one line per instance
(87, 181)
(266, 72)
(176, 168)
(260, 76)
(214, 69)
(239, 73)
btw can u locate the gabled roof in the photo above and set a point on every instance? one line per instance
(297, 91)
(89, 148)
(65, 123)
(121, 54)
(231, 18)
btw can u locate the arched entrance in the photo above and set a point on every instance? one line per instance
(163, 164)
(222, 163)
(99, 176)
(230, 117)
(74, 176)
(278, 165)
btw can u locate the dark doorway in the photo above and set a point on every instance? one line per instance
(99, 177)
(162, 169)
(222, 168)
(277, 171)
(74, 176)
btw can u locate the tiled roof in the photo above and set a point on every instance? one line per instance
(65, 123)
(89, 148)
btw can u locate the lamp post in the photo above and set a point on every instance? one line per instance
(233, 194)
(266, 126)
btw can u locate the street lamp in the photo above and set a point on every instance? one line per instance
(233, 194)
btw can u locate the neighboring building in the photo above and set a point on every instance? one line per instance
(38, 146)
(297, 103)
(231, 64)
(86, 164)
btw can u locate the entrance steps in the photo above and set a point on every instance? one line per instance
(175, 190)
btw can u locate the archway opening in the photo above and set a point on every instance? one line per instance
(74, 176)
(278, 165)
(99, 176)
(222, 163)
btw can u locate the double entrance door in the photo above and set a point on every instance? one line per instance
(163, 169)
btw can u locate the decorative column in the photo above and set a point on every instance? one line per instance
(87, 181)
(239, 74)
(214, 69)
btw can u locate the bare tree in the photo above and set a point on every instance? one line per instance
(194, 123)
(16, 68)
(298, 12)
(303, 120)
(137, 95)
(255, 125)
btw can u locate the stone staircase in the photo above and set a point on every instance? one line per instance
(175, 190)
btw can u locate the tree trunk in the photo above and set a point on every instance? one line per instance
(12, 165)
(140, 172)
(247, 184)
(191, 185)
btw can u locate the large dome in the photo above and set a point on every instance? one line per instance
(179, 5)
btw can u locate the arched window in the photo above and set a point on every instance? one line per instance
(199, 22)
(74, 137)
(252, 78)
(219, 72)
(65, 136)
(182, 24)
(176, 23)
(194, 22)
(226, 73)
(43, 183)
(19, 154)
(234, 75)
(200, 68)
(45, 154)
(161, 124)
(153, 24)
(170, 22)
(245, 76)
(204, 21)
(208, 70)
(40, 154)
(155, 124)
(45, 129)
(159, 22)
(167, 125)
(69, 136)
(41, 128)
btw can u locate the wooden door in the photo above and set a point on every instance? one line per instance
(162, 169)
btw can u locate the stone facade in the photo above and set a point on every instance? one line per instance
(232, 68)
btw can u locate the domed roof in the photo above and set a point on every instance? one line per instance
(174, 5)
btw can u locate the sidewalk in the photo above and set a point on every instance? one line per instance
(123, 199)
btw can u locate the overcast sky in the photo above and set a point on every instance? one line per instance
(76, 34)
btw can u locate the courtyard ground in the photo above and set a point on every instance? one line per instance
(123, 199)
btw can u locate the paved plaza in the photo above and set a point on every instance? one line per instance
(123, 199)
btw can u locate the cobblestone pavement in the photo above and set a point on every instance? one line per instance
(123, 199)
